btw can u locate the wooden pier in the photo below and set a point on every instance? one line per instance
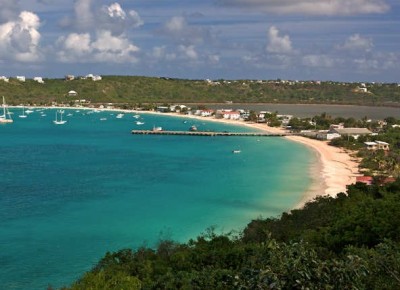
(205, 133)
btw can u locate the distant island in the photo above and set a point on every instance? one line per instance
(132, 91)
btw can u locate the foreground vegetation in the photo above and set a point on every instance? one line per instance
(132, 91)
(348, 242)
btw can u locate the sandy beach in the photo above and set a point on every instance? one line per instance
(334, 171)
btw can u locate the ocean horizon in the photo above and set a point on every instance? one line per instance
(72, 192)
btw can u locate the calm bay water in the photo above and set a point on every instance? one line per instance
(70, 193)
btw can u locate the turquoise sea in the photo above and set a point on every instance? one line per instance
(70, 193)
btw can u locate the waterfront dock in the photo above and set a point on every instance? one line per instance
(206, 133)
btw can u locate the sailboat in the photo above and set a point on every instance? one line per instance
(61, 121)
(6, 117)
(23, 113)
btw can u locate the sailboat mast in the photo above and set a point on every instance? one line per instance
(4, 108)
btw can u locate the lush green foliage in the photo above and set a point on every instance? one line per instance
(348, 242)
(134, 90)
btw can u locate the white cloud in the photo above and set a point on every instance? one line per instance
(176, 24)
(318, 61)
(161, 53)
(104, 48)
(312, 7)
(214, 58)
(278, 44)
(179, 30)
(378, 62)
(357, 43)
(88, 17)
(115, 10)
(116, 19)
(20, 39)
(188, 52)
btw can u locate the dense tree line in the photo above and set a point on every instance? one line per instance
(348, 242)
(133, 90)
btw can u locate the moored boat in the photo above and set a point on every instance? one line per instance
(61, 121)
(193, 128)
(6, 117)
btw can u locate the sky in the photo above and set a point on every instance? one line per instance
(336, 40)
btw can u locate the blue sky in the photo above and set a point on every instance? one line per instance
(339, 40)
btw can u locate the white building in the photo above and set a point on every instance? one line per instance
(230, 115)
(377, 145)
(353, 132)
(326, 135)
(204, 113)
(39, 80)
(93, 77)
(3, 78)
(72, 94)
(21, 78)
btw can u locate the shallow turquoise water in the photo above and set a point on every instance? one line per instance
(70, 193)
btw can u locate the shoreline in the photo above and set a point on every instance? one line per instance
(332, 172)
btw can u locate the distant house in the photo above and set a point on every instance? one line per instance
(3, 78)
(230, 115)
(162, 109)
(377, 145)
(72, 94)
(353, 132)
(327, 135)
(93, 77)
(365, 179)
(21, 78)
(177, 108)
(69, 77)
(368, 180)
(39, 80)
(206, 113)
(336, 126)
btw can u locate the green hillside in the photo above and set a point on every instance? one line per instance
(133, 90)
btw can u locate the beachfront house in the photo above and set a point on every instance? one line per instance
(376, 145)
(230, 115)
(369, 180)
(178, 108)
(352, 132)
(204, 113)
(327, 135)
(163, 109)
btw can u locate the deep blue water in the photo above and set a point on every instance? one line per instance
(70, 193)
